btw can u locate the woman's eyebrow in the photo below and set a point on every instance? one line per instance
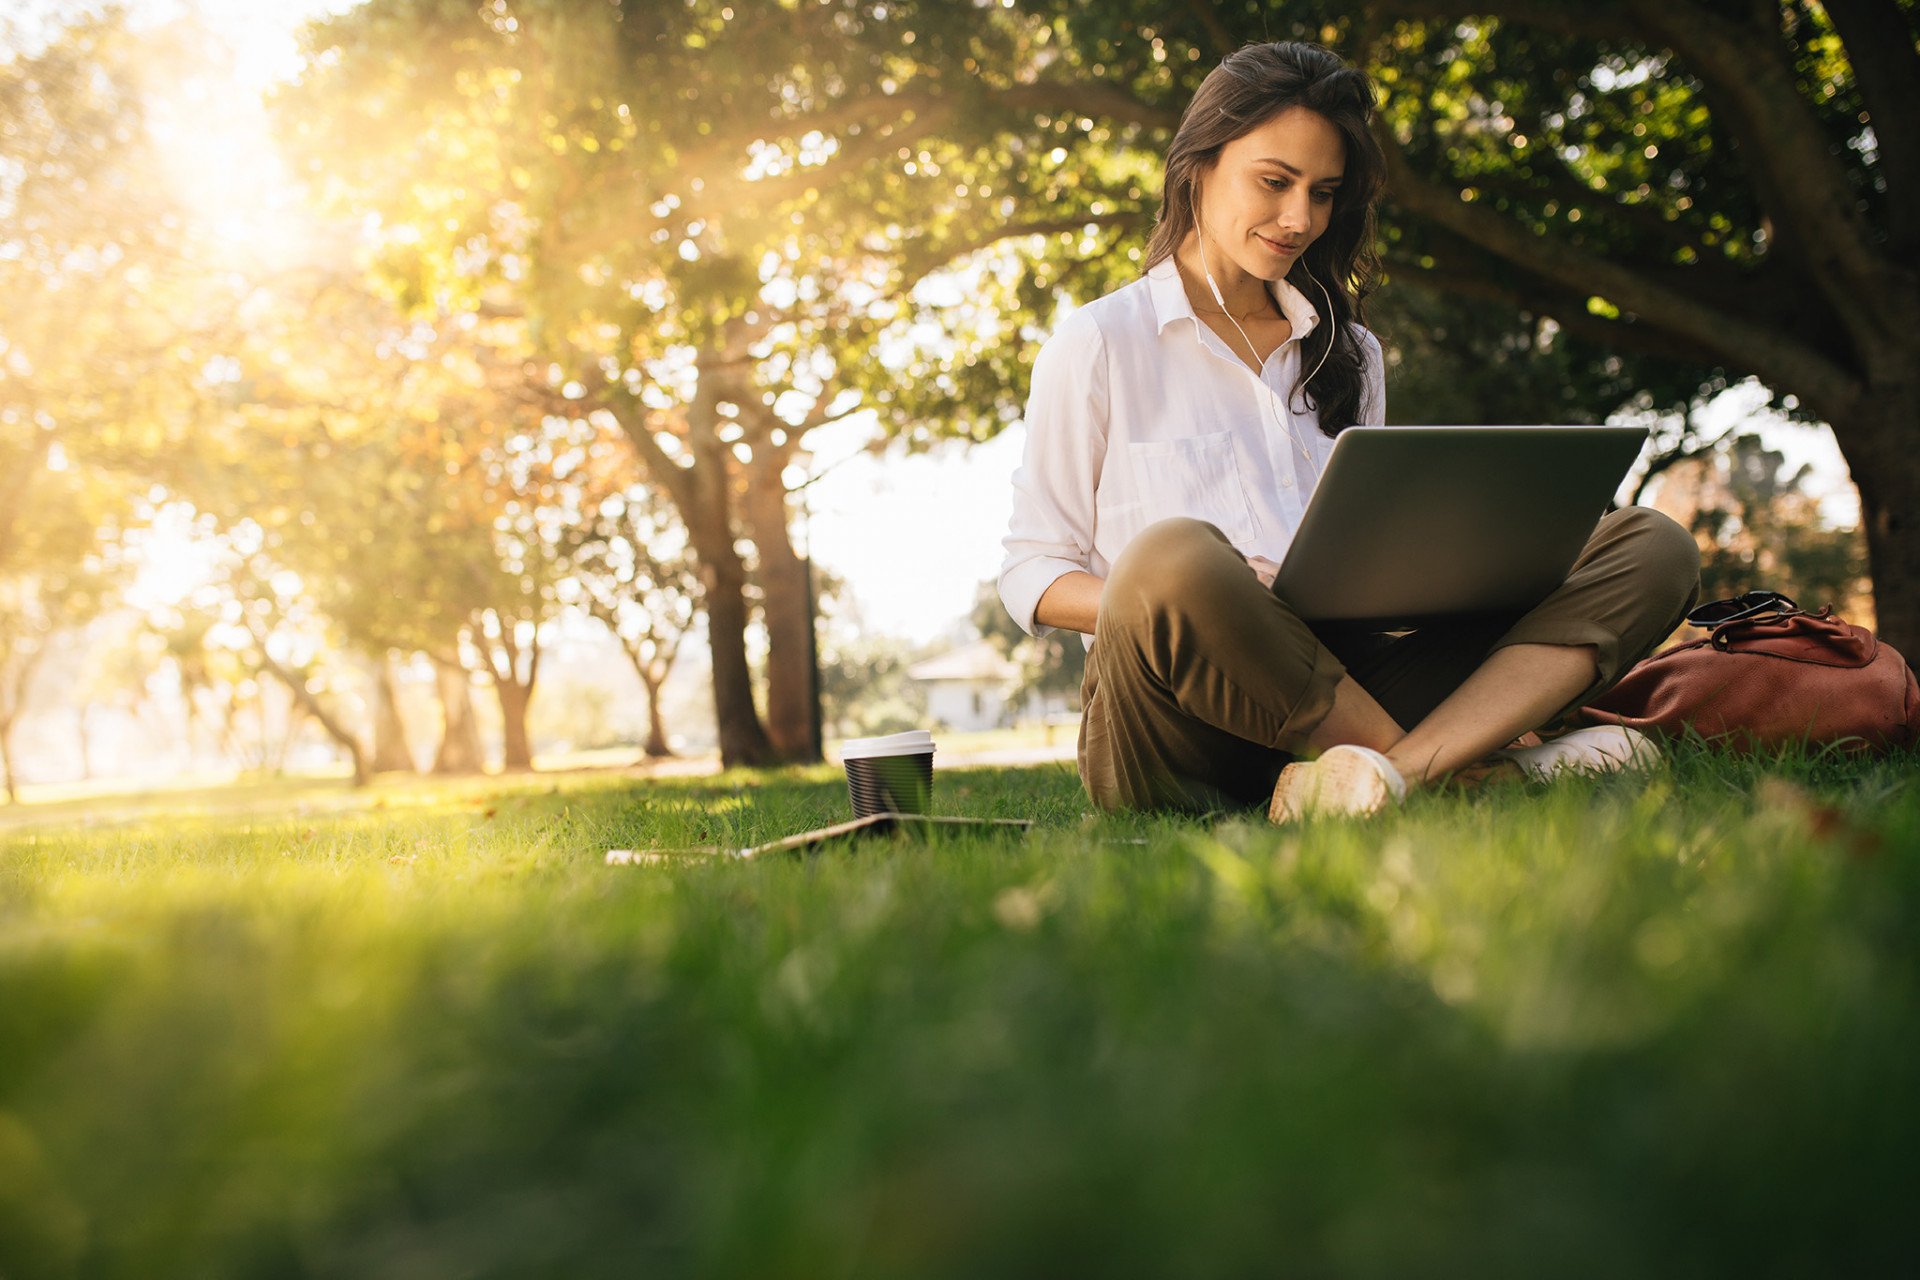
(1334, 181)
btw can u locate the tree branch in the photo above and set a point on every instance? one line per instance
(916, 263)
(1886, 67)
(307, 701)
(1735, 339)
(635, 425)
(1768, 294)
(1558, 183)
(1568, 311)
(1217, 33)
(1094, 100)
(1796, 173)
(487, 648)
(727, 192)
(1097, 101)
(831, 121)
(818, 415)
(1595, 19)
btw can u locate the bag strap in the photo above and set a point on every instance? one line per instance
(1743, 608)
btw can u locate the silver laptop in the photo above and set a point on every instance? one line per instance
(1414, 523)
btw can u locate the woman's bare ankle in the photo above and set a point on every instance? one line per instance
(1420, 767)
(1354, 720)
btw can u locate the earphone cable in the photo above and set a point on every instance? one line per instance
(1285, 428)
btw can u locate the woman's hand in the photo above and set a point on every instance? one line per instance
(1263, 569)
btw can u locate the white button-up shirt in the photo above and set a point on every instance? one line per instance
(1139, 412)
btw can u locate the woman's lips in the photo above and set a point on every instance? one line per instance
(1276, 246)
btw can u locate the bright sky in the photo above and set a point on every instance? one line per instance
(262, 31)
(913, 536)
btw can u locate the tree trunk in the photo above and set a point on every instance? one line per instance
(23, 659)
(657, 747)
(703, 495)
(723, 579)
(513, 670)
(6, 761)
(786, 602)
(391, 751)
(1876, 441)
(516, 751)
(653, 671)
(743, 739)
(305, 701)
(460, 735)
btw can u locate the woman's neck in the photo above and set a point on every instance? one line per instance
(1247, 297)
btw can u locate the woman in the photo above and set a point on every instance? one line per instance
(1176, 429)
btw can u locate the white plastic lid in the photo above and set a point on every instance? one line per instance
(912, 742)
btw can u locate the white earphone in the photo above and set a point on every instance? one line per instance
(1208, 271)
(1236, 324)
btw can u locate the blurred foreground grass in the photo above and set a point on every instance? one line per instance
(1657, 1026)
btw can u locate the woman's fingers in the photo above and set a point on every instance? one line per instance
(1263, 569)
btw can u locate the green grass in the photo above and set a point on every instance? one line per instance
(1609, 1027)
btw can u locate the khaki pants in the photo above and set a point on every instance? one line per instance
(1202, 684)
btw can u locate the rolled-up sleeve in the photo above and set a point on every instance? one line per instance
(1051, 532)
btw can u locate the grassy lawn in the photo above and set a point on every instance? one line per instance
(1621, 1027)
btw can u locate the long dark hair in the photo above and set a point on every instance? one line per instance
(1251, 86)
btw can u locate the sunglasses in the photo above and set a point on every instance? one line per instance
(1739, 608)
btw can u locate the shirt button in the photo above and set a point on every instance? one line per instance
(1286, 482)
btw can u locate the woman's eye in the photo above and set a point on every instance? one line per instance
(1274, 184)
(1323, 197)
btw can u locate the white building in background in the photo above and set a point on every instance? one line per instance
(969, 687)
(973, 687)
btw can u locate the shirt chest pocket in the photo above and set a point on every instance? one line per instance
(1197, 476)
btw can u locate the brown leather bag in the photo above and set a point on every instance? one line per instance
(1768, 674)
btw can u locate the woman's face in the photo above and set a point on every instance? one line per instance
(1270, 192)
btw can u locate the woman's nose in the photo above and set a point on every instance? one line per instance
(1295, 216)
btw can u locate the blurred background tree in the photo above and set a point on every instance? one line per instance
(1757, 526)
(86, 250)
(514, 158)
(864, 686)
(1051, 664)
(865, 689)
(623, 559)
(1708, 181)
(59, 572)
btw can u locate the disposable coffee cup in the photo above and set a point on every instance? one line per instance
(893, 774)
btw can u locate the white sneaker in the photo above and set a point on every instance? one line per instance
(1345, 780)
(1606, 748)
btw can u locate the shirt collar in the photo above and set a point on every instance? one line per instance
(1170, 301)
